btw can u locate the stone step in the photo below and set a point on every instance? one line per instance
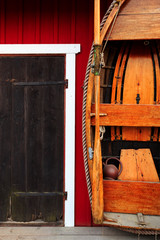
(67, 233)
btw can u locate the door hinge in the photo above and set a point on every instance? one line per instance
(65, 195)
(40, 194)
(38, 84)
(66, 83)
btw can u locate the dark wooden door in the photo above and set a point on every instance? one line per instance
(31, 138)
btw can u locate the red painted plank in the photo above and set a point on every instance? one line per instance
(11, 23)
(48, 17)
(29, 22)
(2, 22)
(83, 214)
(20, 22)
(73, 21)
(38, 22)
(65, 21)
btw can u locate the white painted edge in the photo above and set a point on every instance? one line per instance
(39, 48)
(69, 50)
(70, 142)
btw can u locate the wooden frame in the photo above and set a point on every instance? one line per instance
(69, 50)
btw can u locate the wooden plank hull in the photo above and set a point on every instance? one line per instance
(129, 111)
(137, 20)
(132, 197)
(125, 200)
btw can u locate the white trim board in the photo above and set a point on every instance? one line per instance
(39, 48)
(70, 51)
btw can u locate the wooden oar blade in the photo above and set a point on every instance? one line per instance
(97, 185)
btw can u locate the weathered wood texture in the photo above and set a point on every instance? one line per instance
(138, 165)
(5, 143)
(138, 21)
(131, 197)
(110, 19)
(132, 7)
(34, 138)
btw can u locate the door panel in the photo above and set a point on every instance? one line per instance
(34, 132)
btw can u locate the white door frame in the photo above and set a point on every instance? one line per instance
(69, 50)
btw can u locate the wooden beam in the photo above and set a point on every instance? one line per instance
(137, 20)
(136, 27)
(97, 178)
(131, 197)
(110, 20)
(138, 7)
(128, 115)
(138, 165)
(96, 21)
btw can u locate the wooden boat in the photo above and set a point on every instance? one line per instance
(121, 116)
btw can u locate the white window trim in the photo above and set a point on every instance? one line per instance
(70, 51)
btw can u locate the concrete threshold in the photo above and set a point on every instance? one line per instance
(68, 233)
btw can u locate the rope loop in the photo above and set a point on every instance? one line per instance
(102, 130)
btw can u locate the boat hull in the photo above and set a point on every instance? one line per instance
(129, 112)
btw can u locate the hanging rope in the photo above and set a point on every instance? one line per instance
(112, 25)
(102, 130)
(85, 87)
(109, 34)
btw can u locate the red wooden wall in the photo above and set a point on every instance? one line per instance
(57, 21)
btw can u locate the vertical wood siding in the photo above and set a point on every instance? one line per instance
(57, 21)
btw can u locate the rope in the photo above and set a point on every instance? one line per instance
(114, 20)
(102, 130)
(141, 231)
(85, 87)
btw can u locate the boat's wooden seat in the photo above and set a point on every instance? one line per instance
(138, 165)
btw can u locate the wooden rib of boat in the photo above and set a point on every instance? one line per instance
(125, 101)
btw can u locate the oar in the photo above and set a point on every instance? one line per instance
(97, 183)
